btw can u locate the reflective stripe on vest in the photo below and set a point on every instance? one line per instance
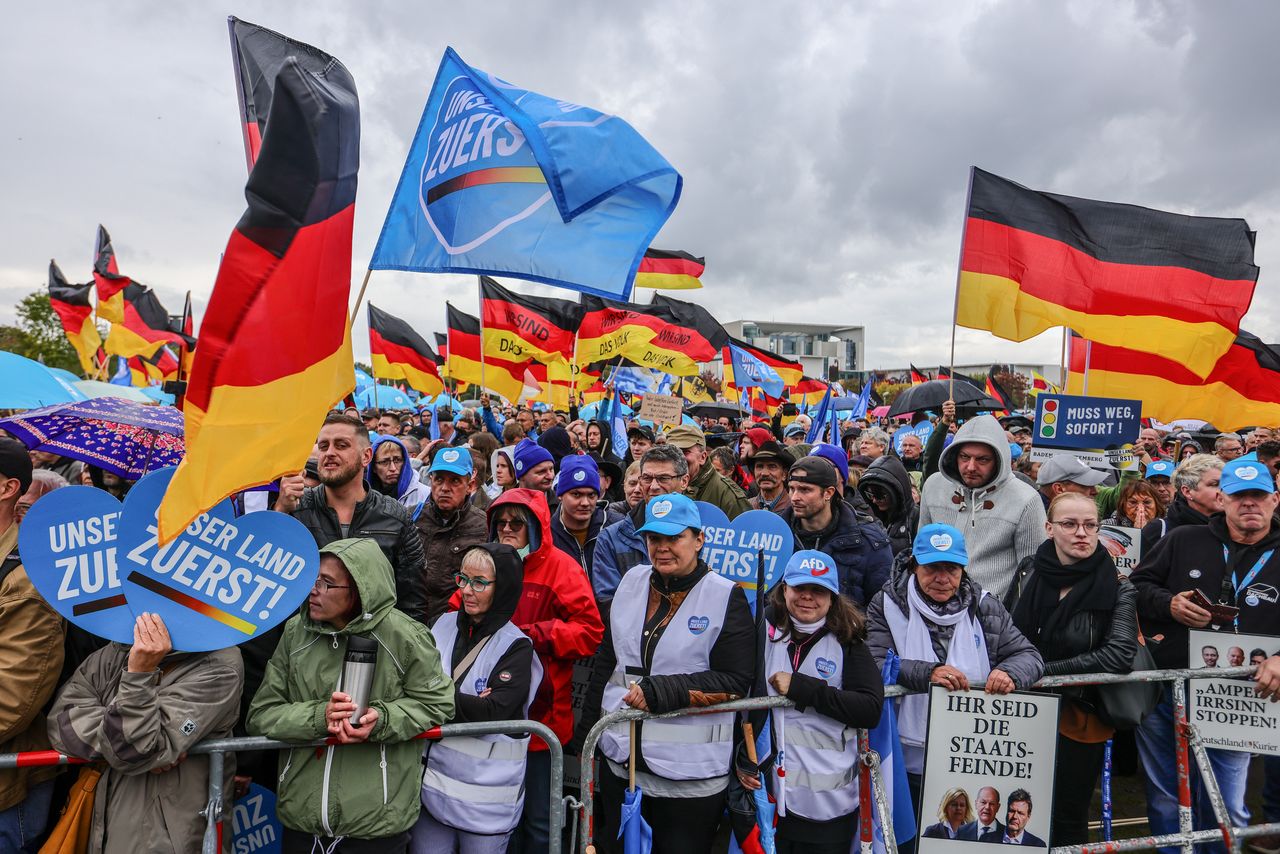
(476, 783)
(690, 748)
(821, 753)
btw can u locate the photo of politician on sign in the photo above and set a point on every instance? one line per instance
(988, 769)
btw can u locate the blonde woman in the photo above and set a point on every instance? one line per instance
(954, 811)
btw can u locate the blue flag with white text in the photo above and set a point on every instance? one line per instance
(500, 180)
(751, 372)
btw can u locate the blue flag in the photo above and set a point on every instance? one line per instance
(504, 181)
(885, 741)
(826, 411)
(750, 372)
(864, 401)
(632, 380)
(122, 376)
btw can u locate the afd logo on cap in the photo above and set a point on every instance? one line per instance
(1246, 472)
(941, 542)
(660, 511)
(698, 625)
(826, 667)
(449, 456)
(816, 567)
(579, 476)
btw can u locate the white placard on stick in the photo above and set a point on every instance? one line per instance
(661, 408)
(1227, 712)
(993, 755)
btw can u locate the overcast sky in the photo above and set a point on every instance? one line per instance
(825, 147)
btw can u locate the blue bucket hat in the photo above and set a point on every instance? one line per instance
(939, 543)
(670, 514)
(809, 566)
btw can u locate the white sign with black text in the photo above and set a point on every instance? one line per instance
(1227, 712)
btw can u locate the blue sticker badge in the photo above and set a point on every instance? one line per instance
(698, 625)
(223, 580)
(481, 684)
(826, 667)
(68, 545)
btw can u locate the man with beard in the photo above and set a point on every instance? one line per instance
(343, 506)
(769, 466)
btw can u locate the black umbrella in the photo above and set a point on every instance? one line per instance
(715, 410)
(934, 393)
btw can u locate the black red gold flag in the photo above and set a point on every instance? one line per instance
(399, 353)
(518, 327)
(670, 270)
(467, 363)
(145, 325)
(75, 310)
(107, 279)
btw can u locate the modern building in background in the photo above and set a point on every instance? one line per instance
(832, 351)
(1053, 373)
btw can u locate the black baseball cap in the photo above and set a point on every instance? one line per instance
(815, 470)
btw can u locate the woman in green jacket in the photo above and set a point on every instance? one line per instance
(360, 794)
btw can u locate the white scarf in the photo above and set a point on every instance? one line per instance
(967, 652)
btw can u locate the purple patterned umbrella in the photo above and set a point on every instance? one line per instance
(124, 438)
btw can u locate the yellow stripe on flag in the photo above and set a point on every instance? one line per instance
(1164, 400)
(420, 380)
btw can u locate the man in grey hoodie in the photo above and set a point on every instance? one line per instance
(974, 490)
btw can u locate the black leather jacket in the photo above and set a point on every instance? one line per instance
(383, 520)
(1101, 641)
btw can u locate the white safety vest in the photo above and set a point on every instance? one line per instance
(476, 783)
(695, 747)
(821, 753)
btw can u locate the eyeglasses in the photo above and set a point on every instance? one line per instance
(1071, 526)
(390, 464)
(663, 480)
(510, 524)
(479, 585)
(324, 586)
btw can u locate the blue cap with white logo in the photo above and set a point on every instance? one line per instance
(1160, 468)
(809, 566)
(669, 515)
(1244, 475)
(938, 543)
(453, 460)
(577, 471)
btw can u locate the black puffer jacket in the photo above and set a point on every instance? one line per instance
(445, 538)
(1180, 513)
(903, 516)
(385, 521)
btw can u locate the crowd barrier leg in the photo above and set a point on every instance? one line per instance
(871, 759)
(213, 812)
(865, 824)
(1186, 822)
(1212, 790)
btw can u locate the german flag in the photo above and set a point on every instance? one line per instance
(1040, 383)
(146, 325)
(1242, 390)
(518, 327)
(670, 270)
(918, 376)
(72, 305)
(442, 348)
(468, 364)
(399, 353)
(995, 390)
(707, 335)
(275, 342)
(791, 372)
(107, 279)
(807, 385)
(149, 370)
(1117, 273)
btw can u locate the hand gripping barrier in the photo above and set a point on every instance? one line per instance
(1187, 746)
(218, 748)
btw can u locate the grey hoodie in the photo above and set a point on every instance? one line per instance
(1002, 522)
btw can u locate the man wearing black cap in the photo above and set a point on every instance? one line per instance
(769, 466)
(639, 440)
(821, 520)
(31, 651)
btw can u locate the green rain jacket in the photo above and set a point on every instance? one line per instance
(368, 790)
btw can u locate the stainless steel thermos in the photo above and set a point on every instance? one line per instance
(357, 673)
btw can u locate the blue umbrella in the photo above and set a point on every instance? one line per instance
(126, 439)
(591, 410)
(29, 384)
(363, 380)
(633, 830)
(65, 374)
(387, 396)
(159, 395)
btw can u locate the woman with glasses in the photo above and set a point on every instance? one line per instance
(887, 488)
(391, 474)
(1138, 504)
(495, 674)
(1070, 601)
(945, 630)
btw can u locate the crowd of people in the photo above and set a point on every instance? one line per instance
(481, 559)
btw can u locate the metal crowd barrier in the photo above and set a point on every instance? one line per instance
(1186, 738)
(219, 747)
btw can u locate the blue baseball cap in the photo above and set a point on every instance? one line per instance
(670, 514)
(809, 566)
(454, 460)
(1160, 468)
(938, 543)
(1245, 475)
(577, 472)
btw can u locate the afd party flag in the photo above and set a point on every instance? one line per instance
(748, 371)
(504, 181)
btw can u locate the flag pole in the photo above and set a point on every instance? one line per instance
(1088, 357)
(484, 386)
(955, 309)
(1062, 361)
(355, 312)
